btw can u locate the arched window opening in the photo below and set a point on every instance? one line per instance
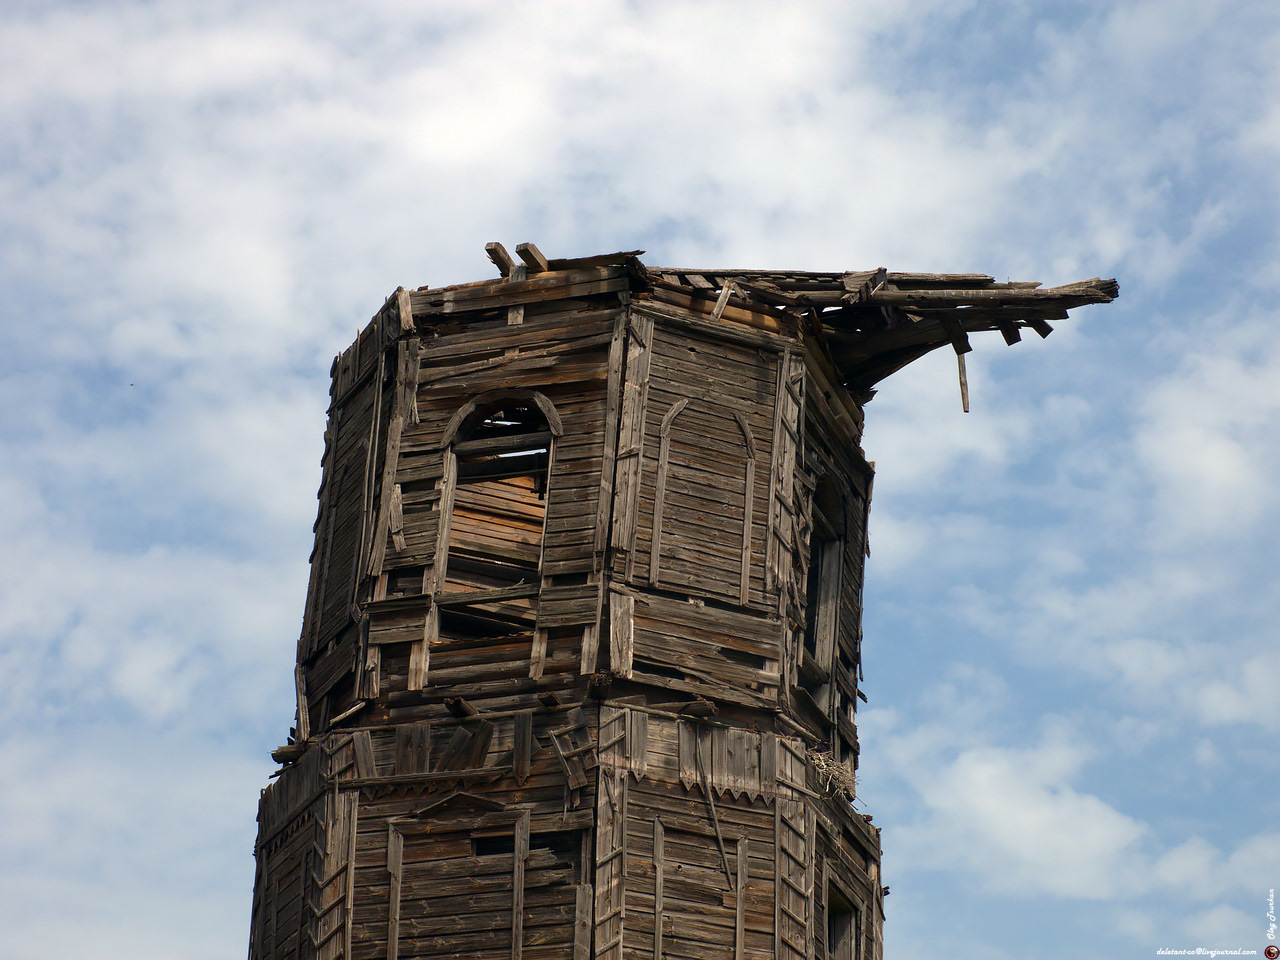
(501, 457)
(703, 504)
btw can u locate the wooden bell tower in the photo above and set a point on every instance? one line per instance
(578, 672)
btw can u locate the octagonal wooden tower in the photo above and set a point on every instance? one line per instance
(579, 665)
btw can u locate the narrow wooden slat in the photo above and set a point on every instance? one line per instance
(522, 747)
(740, 914)
(659, 874)
(660, 489)
(582, 921)
(621, 633)
(413, 748)
(363, 746)
(395, 852)
(517, 885)
(637, 742)
(635, 393)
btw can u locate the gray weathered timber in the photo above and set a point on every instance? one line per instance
(579, 661)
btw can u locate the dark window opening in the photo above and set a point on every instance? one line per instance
(823, 587)
(493, 846)
(563, 845)
(815, 675)
(404, 582)
(842, 927)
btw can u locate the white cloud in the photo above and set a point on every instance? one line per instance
(208, 202)
(1207, 435)
(126, 837)
(1011, 817)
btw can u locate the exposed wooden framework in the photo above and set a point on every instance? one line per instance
(579, 664)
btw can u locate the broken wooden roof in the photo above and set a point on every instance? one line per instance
(872, 322)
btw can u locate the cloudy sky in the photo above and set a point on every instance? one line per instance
(1072, 742)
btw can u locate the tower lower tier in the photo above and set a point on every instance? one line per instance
(600, 831)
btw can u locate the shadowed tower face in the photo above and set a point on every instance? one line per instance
(578, 672)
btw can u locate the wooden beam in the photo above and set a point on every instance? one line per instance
(1073, 294)
(501, 259)
(532, 256)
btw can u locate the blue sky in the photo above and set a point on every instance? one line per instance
(1072, 742)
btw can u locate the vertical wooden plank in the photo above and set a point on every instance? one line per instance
(611, 835)
(821, 906)
(704, 756)
(788, 418)
(660, 489)
(659, 507)
(396, 523)
(748, 510)
(740, 915)
(538, 652)
(269, 951)
(372, 445)
(635, 395)
(748, 507)
(413, 748)
(810, 841)
(352, 813)
(515, 312)
(768, 764)
(522, 747)
(793, 880)
(404, 310)
(688, 753)
(659, 876)
(721, 767)
(371, 675)
(621, 633)
(612, 429)
(517, 885)
(590, 652)
(637, 743)
(779, 947)
(320, 563)
(304, 709)
(363, 746)
(771, 551)
(388, 489)
(538, 649)
(395, 852)
(740, 764)
(448, 492)
(830, 562)
(420, 652)
(583, 918)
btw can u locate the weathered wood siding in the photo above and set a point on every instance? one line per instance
(560, 691)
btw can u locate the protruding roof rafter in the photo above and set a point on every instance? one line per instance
(873, 322)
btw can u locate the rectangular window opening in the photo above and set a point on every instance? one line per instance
(842, 926)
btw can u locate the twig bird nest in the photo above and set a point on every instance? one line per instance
(835, 776)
